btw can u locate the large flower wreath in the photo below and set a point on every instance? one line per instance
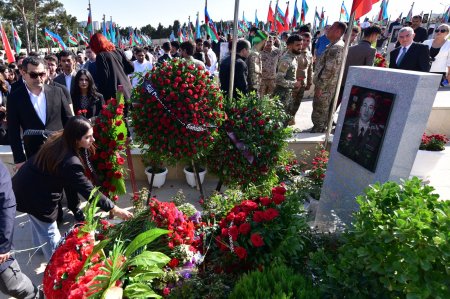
(250, 143)
(177, 111)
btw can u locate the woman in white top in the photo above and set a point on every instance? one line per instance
(440, 51)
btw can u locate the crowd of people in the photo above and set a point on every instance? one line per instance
(42, 94)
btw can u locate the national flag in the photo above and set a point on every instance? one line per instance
(6, 46)
(287, 24)
(105, 33)
(344, 14)
(410, 14)
(295, 16)
(256, 18)
(245, 22)
(112, 31)
(180, 35)
(55, 38)
(322, 18)
(279, 19)
(362, 7)
(16, 39)
(383, 15)
(198, 33)
(270, 18)
(446, 15)
(304, 11)
(83, 38)
(89, 26)
(131, 40)
(210, 27)
(72, 39)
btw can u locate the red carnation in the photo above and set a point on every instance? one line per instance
(257, 240)
(279, 189)
(173, 263)
(265, 201)
(234, 232)
(120, 136)
(259, 216)
(278, 198)
(240, 252)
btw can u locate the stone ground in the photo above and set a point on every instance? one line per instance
(34, 265)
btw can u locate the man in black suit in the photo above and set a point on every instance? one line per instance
(51, 62)
(421, 34)
(68, 63)
(240, 70)
(410, 55)
(37, 107)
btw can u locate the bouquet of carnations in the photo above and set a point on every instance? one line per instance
(380, 61)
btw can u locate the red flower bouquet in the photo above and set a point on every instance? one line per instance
(434, 142)
(66, 262)
(380, 61)
(177, 110)
(245, 230)
(110, 133)
(249, 147)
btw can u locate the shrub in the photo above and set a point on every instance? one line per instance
(275, 282)
(398, 246)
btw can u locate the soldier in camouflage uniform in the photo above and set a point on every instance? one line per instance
(254, 68)
(326, 75)
(269, 58)
(304, 74)
(286, 79)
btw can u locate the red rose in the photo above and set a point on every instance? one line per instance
(120, 136)
(112, 144)
(240, 252)
(257, 240)
(240, 217)
(166, 291)
(258, 216)
(118, 122)
(265, 201)
(173, 263)
(234, 232)
(271, 214)
(279, 189)
(278, 198)
(120, 160)
(245, 228)
(249, 205)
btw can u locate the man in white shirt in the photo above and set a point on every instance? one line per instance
(210, 57)
(68, 63)
(141, 66)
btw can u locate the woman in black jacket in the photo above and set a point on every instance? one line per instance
(85, 98)
(39, 183)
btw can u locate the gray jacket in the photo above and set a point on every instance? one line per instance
(360, 54)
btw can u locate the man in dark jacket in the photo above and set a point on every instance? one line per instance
(12, 281)
(240, 71)
(410, 56)
(421, 34)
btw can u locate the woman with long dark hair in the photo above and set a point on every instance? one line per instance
(86, 100)
(39, 183)
(112, 66)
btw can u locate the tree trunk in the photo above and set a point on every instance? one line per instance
(36, 41)
(25, 24)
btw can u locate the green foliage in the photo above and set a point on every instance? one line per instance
(275, 282)
(218, 205)
(434, 142)
(398, 247)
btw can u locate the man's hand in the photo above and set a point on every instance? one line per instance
(4, 257)
(121, 213)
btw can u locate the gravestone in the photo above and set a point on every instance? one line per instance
(400, 103)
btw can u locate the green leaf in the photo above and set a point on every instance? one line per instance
(144, 239)
(139, 290)
(149, 259)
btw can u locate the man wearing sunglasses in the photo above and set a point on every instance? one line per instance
(36, 108)
(410, 56)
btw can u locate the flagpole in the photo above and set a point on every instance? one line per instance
(314, 23)
(339, 82)
(233, 48)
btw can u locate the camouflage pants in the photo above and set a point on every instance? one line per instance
(321, 110)
(297, 96)
(285, 96)
(267, 87)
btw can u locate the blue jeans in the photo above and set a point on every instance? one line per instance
(45, 232)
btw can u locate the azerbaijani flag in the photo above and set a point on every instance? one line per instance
(344, 14)
(383, 15)
(362, 7)
(89, 26)
(83, 38)
(409, 16)
(72, 39)
(55, 38)
(270, 19)
(295, 16)
(279, 19)
(198, 33)
(304, 11)
(446, 15)
(256, 17)
(210, 27)
(16, 39)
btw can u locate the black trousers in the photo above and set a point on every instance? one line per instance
(16, 284)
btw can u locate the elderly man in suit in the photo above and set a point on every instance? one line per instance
(36, 108)
(68, 63)
(410, 55)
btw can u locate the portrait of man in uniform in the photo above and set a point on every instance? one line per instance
(366, 118)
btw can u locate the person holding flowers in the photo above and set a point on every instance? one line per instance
(86, 100)
(39, 183)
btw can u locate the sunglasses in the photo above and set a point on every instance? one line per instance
(440, 30)
(34, 75)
